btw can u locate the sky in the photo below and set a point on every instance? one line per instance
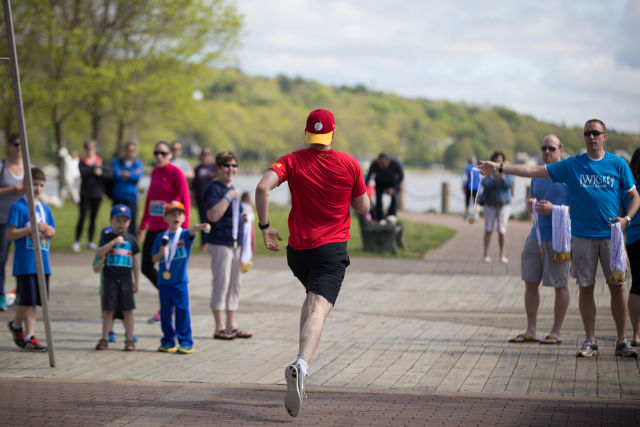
(561, 61)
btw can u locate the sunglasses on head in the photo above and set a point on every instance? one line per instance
(593, 132)
(547, 148)
(161, 153)
(230, 165)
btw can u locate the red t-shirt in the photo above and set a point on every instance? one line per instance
(322, 184)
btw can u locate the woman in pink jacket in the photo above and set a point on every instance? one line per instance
(167, 183)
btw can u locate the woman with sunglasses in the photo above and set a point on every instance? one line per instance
(11, 189)
(167, 184)
(224, 243)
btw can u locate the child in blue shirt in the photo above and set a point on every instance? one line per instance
(172, 249)
(24, 262)
(120, 275)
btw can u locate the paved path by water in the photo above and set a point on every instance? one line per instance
(409, 342)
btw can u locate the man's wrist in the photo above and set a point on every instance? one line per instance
(226, 196)
(628, 219)
(264, 226)
(500, 168)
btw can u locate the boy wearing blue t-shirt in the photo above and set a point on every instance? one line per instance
(120, 253)
(24, 262)
(171, 250)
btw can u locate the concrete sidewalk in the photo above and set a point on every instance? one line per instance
(409, 342)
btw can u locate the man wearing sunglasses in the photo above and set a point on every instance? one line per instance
(538, 260)
(323, 184)
(595, 181)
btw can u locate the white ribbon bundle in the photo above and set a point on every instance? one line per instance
(472, 218)
(235, 215)
(618, 260)
(536, 225)
(247, 251)
(561, 233)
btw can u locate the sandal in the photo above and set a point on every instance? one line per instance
(102, 344)
(239, 333)
(523, 338)
(224, 335)
(635, 343)
(129, 345)
(551, 339)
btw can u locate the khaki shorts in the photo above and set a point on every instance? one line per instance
(499, 215)
(543, 267)
(584, 260)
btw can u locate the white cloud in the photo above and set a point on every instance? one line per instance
(561, 61)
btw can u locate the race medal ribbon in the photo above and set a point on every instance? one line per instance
(536, 224)
(561, 233)
(171, 252)
(618, 260)
(40, 217)
(235, 214)
(475, 200)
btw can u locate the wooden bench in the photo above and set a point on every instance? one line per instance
(380, 237)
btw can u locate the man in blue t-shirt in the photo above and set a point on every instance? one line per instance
(538, 260)
(595, 180)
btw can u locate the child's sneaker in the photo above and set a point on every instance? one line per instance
(185, 349)
(112, 337)
(155, 318)
(3, 303)
(164, 348)
(34, 345)
(134, 338)
(129, 345)
(18, 335)
(102, 344)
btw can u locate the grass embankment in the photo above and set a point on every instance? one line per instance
(419, 238)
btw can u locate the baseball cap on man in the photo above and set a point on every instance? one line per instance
(172, 206)
(120, 210)
(320, 127)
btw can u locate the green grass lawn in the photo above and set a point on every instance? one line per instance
(419, 238)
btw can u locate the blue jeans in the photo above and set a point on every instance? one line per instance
(4, 254)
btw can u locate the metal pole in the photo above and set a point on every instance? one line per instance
(28, 184)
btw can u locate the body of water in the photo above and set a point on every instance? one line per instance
(423, 191)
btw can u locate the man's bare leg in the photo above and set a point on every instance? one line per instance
(587, 305)
(619, 309)
(315, 310)
(559, 310)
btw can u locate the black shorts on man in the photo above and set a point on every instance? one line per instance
(321, 270)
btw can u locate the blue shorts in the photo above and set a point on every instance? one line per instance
(27, 288)
(321, 270)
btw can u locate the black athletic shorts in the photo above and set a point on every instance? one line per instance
(321, 270)
(117, 294)
(633, 251)
(27, 288)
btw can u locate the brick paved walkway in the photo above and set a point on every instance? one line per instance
(409, 342)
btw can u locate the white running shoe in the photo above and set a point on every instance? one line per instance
(294, 397)
(92, 246)
(75, 247)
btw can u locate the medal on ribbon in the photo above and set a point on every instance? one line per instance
(235, 217)
(170, 252)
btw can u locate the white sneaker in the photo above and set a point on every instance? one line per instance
(294, 397)
(92, 246)
(487, 260)
(75, 247)
(504, 260)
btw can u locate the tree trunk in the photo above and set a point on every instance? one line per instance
(57, 131)
(120, 137)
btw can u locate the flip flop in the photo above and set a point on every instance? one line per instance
(551, 339)
(523, 338)
(635, 343)
(224, 335)
(239, 333)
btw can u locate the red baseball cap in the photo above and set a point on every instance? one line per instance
(320, 127)
(172, 206)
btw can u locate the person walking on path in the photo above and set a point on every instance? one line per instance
(323, 183)
(497, 191)
(388, 178)
(167, 184)
(127, 171)
(470, 186)
(224, 242)
(11, 189)
(539, 263)
(595, 180)
(633, 250)
(91, 190)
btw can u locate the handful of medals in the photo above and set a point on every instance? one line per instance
(562, 256)
(618, 277)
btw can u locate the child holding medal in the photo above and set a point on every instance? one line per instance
(171, 250)
(24, 262)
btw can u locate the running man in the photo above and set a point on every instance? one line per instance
(323, 183)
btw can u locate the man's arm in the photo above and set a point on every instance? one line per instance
(361, 204)
(634, 204)
(268, 182)
(531, 171)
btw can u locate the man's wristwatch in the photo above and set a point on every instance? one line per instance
(500, 168)
(263, 226)
(628, 219)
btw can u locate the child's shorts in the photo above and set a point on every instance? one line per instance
(27, 288)
(117, 295)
